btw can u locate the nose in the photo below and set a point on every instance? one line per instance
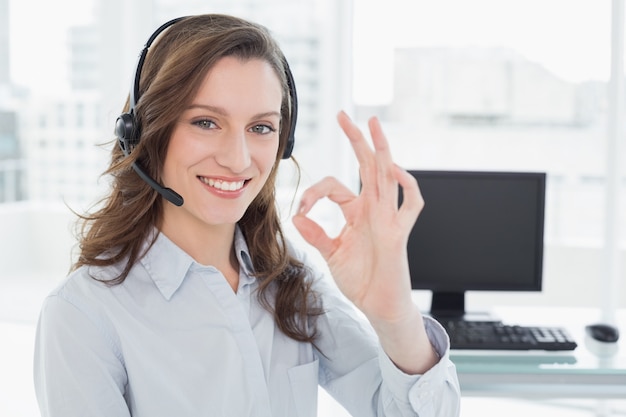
(234, 153)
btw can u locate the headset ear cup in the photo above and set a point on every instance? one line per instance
(125, 130)
(125, 126)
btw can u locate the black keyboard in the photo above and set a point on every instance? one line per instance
(494, 335)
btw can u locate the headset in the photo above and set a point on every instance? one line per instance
(128, 130)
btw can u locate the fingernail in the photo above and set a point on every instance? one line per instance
(302, 207)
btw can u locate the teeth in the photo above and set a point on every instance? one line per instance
(223, 185)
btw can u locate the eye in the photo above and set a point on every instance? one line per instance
(204, 123)
(262, 129)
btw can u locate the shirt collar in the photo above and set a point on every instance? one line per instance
(243, 254)
(168, 264)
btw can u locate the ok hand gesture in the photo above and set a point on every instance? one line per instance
(368, 259)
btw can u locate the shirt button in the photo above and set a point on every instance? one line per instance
(425, 395)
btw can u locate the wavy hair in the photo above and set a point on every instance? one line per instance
(173, 71)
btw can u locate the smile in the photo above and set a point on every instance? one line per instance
(223, 185)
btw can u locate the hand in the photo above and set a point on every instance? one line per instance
(368, 259)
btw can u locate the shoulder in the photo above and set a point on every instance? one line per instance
(86, 280)
(88, 292)
(83, 292)
(77, 312)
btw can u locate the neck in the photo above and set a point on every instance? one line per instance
(207, 245)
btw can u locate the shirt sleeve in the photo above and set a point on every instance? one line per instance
(77, 371)
(434, 393)
(356, 371)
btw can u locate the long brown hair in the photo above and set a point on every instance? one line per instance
(173, 71)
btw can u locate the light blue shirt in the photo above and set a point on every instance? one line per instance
(174, 339)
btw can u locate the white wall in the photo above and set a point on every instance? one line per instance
(35, 245)
(35, 239)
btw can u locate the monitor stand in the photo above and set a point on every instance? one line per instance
(448, 305)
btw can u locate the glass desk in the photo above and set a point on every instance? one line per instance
(586, 372)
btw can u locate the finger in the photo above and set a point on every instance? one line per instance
(364, 153)
(328, 187)
(381, 145)
(387, 184)
(412, 201)
(362, 150)
(314, 235)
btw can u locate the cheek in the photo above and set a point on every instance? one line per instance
(268, 175)
(172, 162)
(181, 154)
(264, 155)
(269, 161)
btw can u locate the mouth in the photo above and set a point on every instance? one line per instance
(223, 185)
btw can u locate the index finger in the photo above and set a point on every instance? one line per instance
(364, 154)
(387, 185)
(328, 187)
(376, 165)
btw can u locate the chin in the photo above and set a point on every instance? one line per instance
(223, 218)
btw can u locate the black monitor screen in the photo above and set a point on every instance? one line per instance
(477, 231)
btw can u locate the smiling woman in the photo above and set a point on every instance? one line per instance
(200, 305)
(565, 50)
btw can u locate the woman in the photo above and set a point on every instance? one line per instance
(189, 301)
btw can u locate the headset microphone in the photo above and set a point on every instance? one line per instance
(169, 194)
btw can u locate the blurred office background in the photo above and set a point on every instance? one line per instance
(477, 85)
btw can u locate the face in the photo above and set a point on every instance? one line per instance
(224, 145)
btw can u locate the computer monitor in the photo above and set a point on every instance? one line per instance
(478, 231)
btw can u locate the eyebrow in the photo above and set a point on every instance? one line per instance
(223, 112)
